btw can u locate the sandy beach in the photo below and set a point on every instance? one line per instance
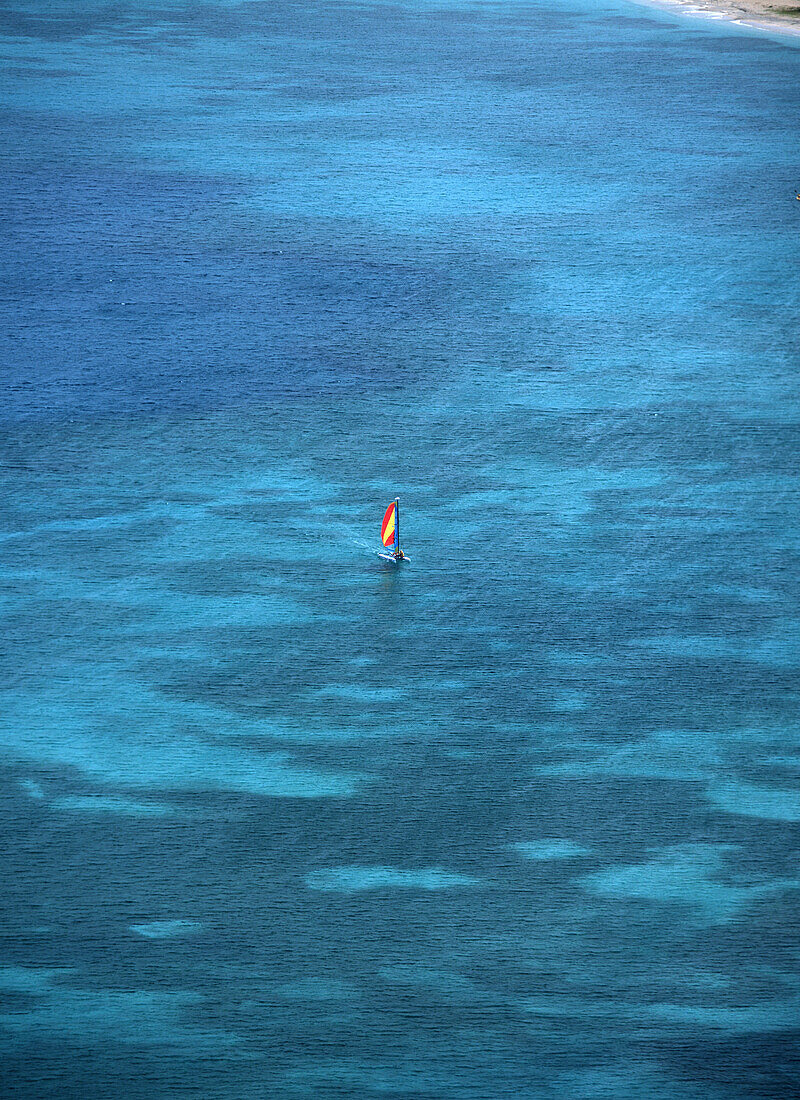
(782, 17)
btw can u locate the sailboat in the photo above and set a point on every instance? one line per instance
(390, 534)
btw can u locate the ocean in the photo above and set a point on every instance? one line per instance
(520, 818)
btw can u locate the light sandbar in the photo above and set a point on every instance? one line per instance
(764, 13)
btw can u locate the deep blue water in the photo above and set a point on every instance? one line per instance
(521, 819)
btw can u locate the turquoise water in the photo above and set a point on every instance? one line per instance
(521, 818)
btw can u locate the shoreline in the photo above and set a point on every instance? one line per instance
(772, 15)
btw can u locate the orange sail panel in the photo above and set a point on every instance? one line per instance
(387, 527)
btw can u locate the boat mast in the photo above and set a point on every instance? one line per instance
(396, 525)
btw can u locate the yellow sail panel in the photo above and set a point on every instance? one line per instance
(387, 527)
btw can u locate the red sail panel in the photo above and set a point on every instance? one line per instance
(387, 527)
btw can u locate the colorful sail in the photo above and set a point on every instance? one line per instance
(388, 525)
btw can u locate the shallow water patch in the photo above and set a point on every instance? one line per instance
(696, 877)
(549, 849)
(167, 929)
(750, 800)
(356, 879)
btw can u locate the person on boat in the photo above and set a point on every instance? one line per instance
(399, 555)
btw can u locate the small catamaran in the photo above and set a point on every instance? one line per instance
(390, 534)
